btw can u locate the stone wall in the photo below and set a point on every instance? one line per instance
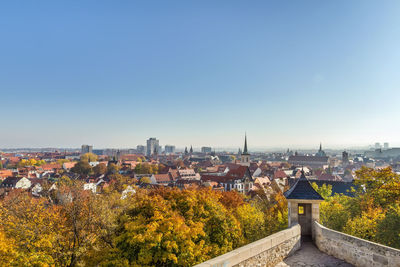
(356, 251)
(268, 251)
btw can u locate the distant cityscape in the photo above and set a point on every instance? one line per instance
(194, 166)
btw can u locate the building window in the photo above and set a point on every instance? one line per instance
(301, 209)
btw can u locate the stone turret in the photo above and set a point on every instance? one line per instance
(303, 205)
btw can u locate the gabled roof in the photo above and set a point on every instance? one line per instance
(280, 174)
(11, 181)
(163, 178)
(302, 189)
(329, 177)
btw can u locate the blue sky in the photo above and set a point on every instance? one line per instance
(113, 73)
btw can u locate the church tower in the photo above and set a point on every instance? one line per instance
(320, 152)
(245, 157)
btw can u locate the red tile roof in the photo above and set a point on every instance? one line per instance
(329, 177)
(5, 173)
(279, 174)
(163, 178)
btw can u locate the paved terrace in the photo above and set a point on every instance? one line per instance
(310, 255)
(287, 248)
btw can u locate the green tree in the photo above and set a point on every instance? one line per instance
(389, 228)
(325, 190)
(334, 212)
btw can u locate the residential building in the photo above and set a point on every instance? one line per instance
(386, 145)
(141, 149)
(310, 161)
(380, 154)
(188, 174)
(238, 178)
(345, 157)
(16, 182)
(319, 160)
(152, 145)
(162, 179)
(169, 149)
(86, 149)
(206, 149)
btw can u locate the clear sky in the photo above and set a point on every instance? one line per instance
(113, 73)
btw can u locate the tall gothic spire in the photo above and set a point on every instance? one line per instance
(320, 146)
(245, 152)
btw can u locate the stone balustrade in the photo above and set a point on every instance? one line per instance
(356, 251)
(268, 251)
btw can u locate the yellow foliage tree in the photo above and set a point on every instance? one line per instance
(34, 228)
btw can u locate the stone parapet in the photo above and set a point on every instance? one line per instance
(356, 251)
(267, 252)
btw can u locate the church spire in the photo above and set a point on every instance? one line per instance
(245, 157)
(320, 146)
(245, 144)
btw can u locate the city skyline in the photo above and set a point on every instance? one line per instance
(200, 73)
(233, 148)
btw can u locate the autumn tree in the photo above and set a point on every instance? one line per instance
(82, 168)
(89, 157)
(204, 206)
(78, 209)
(334, 213)
(325, 190)
(151, 233)
(8, 253)
(274, 207)
(231, 199)
(113, 168)
(383, 186)
(100, 169)
(62, 161)
(146, 168)
(372, 213)
(365, 225)
(388, 232)
(119, 182)
(34, 229)
(252, 222)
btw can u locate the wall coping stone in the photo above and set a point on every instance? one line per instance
(373, 244)
(253, 249)
(354, 250)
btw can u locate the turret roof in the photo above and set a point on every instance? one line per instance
(302, 189)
